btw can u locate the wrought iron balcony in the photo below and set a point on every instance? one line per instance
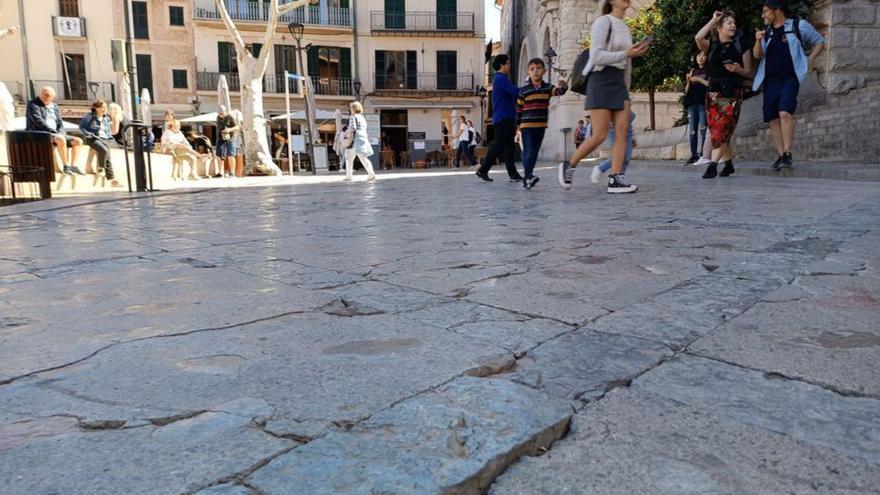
(274, 84)
(69, 27)
(78, 90)
(422, 23)
(424, 82)
(249, 11)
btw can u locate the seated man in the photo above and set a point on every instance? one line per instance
(43, 115)
(175, 144)
(97, 128)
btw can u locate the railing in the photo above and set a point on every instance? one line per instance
(427, 22)
(78, 90)
(249, 11)
(70, 27)
(274, 84)
(424, 81)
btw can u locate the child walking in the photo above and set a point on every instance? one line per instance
(532, 113)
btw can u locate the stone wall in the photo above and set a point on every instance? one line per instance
(852, 31)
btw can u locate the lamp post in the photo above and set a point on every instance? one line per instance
(550, 54)
(140, 165)
(296, 30)
(94, 87)
(481, 93)
(357, 89)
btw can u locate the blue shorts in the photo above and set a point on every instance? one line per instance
(225, 149)
(780, 97)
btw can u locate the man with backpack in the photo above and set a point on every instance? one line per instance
(782, 49)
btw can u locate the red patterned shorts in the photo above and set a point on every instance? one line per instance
(723, 115)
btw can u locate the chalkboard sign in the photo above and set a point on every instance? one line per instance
(413, 136)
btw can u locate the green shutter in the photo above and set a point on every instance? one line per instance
(380, 70)
(447, 67)
(313, 60)
(411, 69)
(223, 55)
(345, 62)
(446, 14)
(395, 14)
(256, 48)
(343, 4)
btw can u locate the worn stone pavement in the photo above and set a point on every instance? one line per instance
(439, 334)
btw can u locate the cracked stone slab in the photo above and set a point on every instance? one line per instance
(455, 313)
(804, 412)
(226, 489)
(176, 458)
(387, 298)
(454, 439)
(637, 442)
(515, 336)
(830, 336)
(347, 368)
(72, 315)
(583, 365)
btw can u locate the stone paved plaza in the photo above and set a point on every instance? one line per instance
(435, 334)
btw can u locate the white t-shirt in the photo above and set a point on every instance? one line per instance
(465, 136)
(171, 138)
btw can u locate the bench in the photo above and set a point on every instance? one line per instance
(31, 159)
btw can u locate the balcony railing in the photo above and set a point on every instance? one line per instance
(249, 11)
(69, 27)
(432, 23)
(78, 90)
(274, 84)
(424, 81)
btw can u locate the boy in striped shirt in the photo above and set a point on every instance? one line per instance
(532, 113)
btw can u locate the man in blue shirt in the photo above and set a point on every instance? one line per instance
(782, 49)
(504, 95)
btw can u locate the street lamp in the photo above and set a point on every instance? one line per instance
(481, 92)
(296, 30)
(550, 54)
(357, 89)
(93, 87)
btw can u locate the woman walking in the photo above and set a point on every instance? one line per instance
(464, 137)
(360, 147)
(609, 70)
(729, 64)
(695, 103)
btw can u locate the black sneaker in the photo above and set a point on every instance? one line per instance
(565, 173)
(484, 176)
(691, 160)
(617, 184)
(778, 163)
(787, 161)
(525, 183)
(711, 171)
(531, 182)
(67, 170)
(76, 170)
(728, 169)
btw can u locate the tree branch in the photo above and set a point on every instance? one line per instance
(230, 26)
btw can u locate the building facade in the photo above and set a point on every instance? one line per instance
(418, 61)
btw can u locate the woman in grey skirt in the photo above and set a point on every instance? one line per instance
(609, 69)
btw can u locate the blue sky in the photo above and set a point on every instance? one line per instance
(493, 21)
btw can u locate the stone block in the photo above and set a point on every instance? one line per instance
(866, 38)
(455, 439)
(852, 15)
(842, 83)
(841, 37)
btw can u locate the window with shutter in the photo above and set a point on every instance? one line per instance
(381, 80)
(145, 74)
(179, 79)
(412, 70)
(395, 14)
(447, 67)
(68, 8)
(175, 16)
(345, 71)
(226, 62)
(140, 21)
(446, 14)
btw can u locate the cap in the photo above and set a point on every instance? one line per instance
(774, 4)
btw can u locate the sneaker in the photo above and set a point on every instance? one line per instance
(67, 170)
(728, 169)
(617, 184)
(76, 170)
(692, 160)
(565, 173)
(515, 180)
(371, 178)
(525, 183)
(787, 161)
(702, 161)
(484, 176)
(778, 163)
(531, 182)
(711, 171)
(595, 174)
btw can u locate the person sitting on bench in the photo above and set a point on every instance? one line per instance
(98, 132)
(43, 115)
(175, 144)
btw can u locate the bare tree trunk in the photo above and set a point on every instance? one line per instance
(251, 71)
(652, 107)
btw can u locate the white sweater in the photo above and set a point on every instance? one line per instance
(612, 54)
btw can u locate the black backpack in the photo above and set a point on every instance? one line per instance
(577, 81)
(795, 30)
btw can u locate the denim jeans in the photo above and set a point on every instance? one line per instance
(531, 140)
(697, 122)
(502, 146)
(464, 148)
(606, 163)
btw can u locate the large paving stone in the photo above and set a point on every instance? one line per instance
(636, 442)
(799, 410)
(827, 336)
(583, 365)
(454, 439)
(75, 312)
(52, 456)
(315, 371)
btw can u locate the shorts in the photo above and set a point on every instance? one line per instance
(780, 97)
(225, 149)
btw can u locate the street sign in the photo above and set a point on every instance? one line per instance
(416, 136)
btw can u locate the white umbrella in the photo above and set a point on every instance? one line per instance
(146, 112)
(337, 142)
(210, 118)
(313, 132)
(223, 93)
(7, 108)
(320, 115)
(20, 124)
